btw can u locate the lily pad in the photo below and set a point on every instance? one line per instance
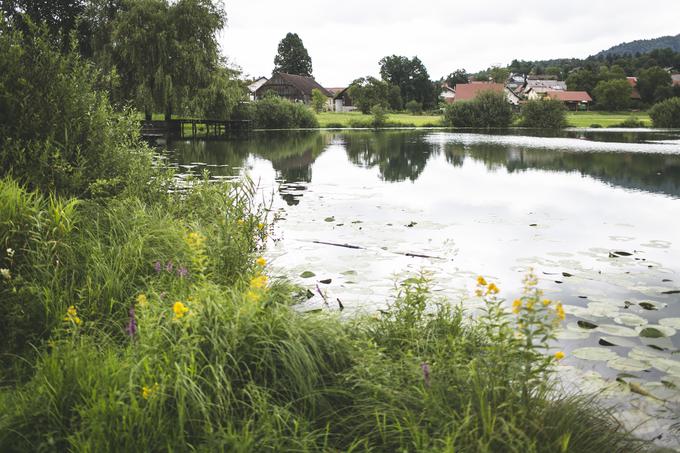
(329, 219)
(648, 305)
(618, 341)
(614, 329)
(627, 364)
(326, 281)
(656, 331)
(349, 272)
(307, 274)
(630, 319)
(594, 353)
(673, 323)
(572, 335)
(586, 325)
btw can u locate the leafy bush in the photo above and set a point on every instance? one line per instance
(70, 252)
(57, 133)
(630, 122)
(414, 107)
(666, 113)
(612, 94)
(274, 112)
(379, 116)
(488, 109)
(544, 114)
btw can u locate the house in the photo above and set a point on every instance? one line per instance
(447, 94)
(253, 87)
(634, 94)
(331, 100)
(676, 79)
(537, 88)
(469, 91)
(573, 100)
(342, 102)
(292, 87)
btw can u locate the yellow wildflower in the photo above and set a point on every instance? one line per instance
(259, 282)
(147, 392)
(559, 355)
(142, 300)
(546, 302)
(240, 221)
(530, 305)
(261, 262)
(479, 293)
(179, 309)
(481, 281)
(260, 226)
(253, 296)
(516, 306)
(492, 289)
(560, 311)
(72, 315)
(195, 240)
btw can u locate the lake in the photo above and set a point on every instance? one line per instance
(595, 213)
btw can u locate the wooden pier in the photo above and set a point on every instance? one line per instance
(193, 128)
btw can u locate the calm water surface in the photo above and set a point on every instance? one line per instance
(596, 214)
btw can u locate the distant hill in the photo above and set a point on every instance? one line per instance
(643, 46)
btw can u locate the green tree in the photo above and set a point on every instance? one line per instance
(582, 79)
(292, 57)
(498, 74)
(57, 132)
(411, 76)
(394, 99)
(61, 17)
(544, 114)
(612, 94)
(456, 77)
(166, 53)
(414, 107)
(367, 92)
(318, 100)
(666, 113)
(650, 80)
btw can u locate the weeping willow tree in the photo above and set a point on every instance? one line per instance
(167, 55)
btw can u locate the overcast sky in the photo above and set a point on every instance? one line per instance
(347, 38)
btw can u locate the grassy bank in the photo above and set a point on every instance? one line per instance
(153, 326)
(358, 119)
(605, 119)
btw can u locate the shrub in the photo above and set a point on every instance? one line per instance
(414, 107)
(379, 116)
(544, 114)
(57, 133)
(612, 94)
(630, 122)
(488, 109)
(666, 113)
(274, 112)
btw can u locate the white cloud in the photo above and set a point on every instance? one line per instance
(347, 39)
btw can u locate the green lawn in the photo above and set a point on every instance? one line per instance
(604, 119)
(344, 119)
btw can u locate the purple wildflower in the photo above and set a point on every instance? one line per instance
(131, 328)
(157, 266)
(169, 266)
(182, 272)
(426, 373)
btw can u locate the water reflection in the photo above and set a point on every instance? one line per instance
(403, 155)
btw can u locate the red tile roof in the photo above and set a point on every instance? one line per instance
(569, 96)
(469, 91)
